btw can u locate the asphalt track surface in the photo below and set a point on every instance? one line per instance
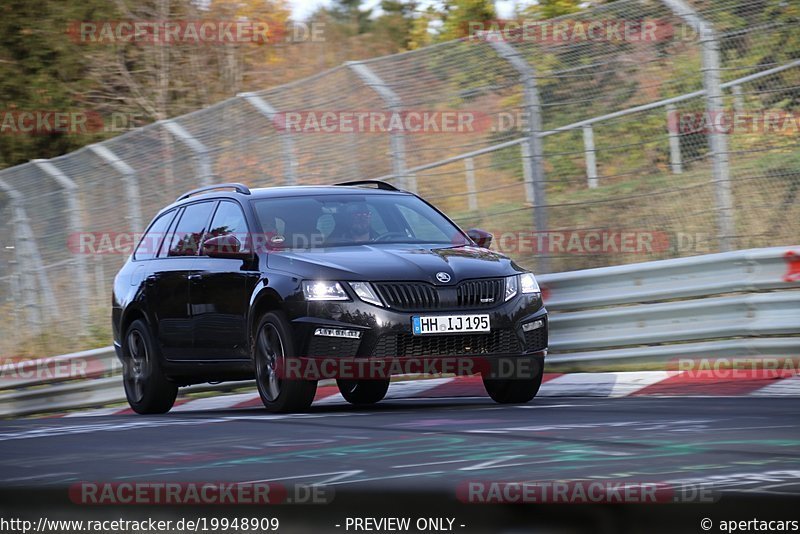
(745, 448)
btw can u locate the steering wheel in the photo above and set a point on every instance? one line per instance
(389, 235)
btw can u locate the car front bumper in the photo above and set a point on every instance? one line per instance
(386, 333)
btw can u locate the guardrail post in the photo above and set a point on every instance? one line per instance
(270, 113)
(536, 151)
(591, 161)
(76, 227)
(395, 105)
(26, 259)
(472, 195)
(718, 141)
(202, 159)
(133, 197)
(675, 159)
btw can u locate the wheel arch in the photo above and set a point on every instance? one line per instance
(266, 300)
(128, 317)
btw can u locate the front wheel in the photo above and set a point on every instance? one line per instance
(273, 347)
(363, 391)
(146, 388)
(517, 390)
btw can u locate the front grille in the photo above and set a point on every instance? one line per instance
(408, 345)
(407, 296)
(416, 296)
(480, 293)
(325, 346)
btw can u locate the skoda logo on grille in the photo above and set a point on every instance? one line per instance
(443, 277)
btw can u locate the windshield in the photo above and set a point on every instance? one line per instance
(351, 219)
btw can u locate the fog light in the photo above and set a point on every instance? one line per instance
(527, 327)
(337, 332)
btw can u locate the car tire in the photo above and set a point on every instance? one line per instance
(363, 391)
(147, 389)
(516, 390)
(272, 347)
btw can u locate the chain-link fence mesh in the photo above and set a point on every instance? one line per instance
(620, 177)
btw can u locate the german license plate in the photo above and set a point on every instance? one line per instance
(449, 324)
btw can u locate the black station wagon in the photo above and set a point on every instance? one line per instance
(230, 283)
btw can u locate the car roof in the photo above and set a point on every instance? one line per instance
(285, 191)
(308, 190)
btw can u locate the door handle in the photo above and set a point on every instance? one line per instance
(195, 276)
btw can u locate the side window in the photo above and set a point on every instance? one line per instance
(229, 220)
(163, 252)
(151, 241)
(422, 227)
(190, 230)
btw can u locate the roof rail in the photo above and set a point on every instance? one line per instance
(239, 188)
(386, 186)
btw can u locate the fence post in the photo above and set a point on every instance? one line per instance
(738, 99)
(472, 195)
(527, 173)
(202, 159)
(536, 152)
(395, 105)
(718, 141)
(25, 258)
(673, 127)
(75, 227)
(591, 161)
(270, 113)
(133, 199)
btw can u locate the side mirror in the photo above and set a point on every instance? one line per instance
(481, 237)
(224, 246)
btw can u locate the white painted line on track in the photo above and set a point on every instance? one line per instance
(629, 383)
(413, 388)
(213, 403)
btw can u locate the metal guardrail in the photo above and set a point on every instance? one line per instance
(698, 276)
(734, 304)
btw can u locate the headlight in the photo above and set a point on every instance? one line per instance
(365, 293)
(511, 287)
(323, 290)
(528, 284)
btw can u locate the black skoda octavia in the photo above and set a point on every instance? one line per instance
(230, 283)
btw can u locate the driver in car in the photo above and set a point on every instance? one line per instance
(357, 222)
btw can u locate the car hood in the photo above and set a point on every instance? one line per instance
(393, 262)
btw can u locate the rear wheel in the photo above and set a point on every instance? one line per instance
(147, 389)
(517, 390)
(273, 347)
(363, 391)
